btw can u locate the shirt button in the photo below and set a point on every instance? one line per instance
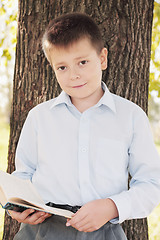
(84, 150)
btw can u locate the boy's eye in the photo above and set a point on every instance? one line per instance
(62, 68)
(83, 62)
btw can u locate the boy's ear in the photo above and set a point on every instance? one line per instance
(103, 58)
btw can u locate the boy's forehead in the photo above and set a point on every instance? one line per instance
(80, 48)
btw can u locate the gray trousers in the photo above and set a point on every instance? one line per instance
(55, 228)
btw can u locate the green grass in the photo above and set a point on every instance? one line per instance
(158, 147)
(154, 224)
(4, 137)
(153, 219)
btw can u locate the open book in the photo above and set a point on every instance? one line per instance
(18, 194)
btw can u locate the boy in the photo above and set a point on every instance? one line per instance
(78, 148)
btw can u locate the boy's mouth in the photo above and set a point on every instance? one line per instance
(79, 86)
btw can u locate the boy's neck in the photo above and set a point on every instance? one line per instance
(85, 103)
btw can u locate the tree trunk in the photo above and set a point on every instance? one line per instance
(126, 28)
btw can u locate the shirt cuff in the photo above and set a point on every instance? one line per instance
(123, 205)
(8, 213)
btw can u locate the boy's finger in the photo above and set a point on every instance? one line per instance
(82, 225)
(21, 215)
(38, 218)
(85, 227)
(30, 219)
(35, 216)
(76, 219)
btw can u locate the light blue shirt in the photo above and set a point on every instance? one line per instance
(73, 158)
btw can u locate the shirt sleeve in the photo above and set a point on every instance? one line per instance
(144, 167)
(26, 152)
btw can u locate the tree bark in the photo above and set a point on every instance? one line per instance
(126, 27)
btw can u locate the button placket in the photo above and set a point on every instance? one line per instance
(84, 149)
(83, 156)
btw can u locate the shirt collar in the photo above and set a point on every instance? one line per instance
(63, 98)
(106, 99)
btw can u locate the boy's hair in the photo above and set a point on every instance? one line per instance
(69, 28)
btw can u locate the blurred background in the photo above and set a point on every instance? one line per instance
(8, 29)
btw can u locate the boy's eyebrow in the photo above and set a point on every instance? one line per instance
(78, 58)
(60, 64)
(63, 63)
(82, 57)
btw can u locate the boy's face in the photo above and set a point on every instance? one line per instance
(78, 70)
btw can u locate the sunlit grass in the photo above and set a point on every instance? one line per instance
(153, 219)
(158, 148)
(4, 137)
(154, 224)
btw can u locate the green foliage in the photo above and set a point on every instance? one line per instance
(1, 42)
(6, 54)
(154, 84)
(8, 31)
(155, 51)
(11, 19)
(2, 11)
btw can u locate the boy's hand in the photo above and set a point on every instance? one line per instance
(35, 218)
(93, 215)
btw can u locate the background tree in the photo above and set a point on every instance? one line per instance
(126, 28)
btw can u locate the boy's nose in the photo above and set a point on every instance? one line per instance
(74, 75)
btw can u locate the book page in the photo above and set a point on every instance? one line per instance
(51, 210)
(14, 187)
(22, 192)
(2, 197)
(25, 203)
(58, 211)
